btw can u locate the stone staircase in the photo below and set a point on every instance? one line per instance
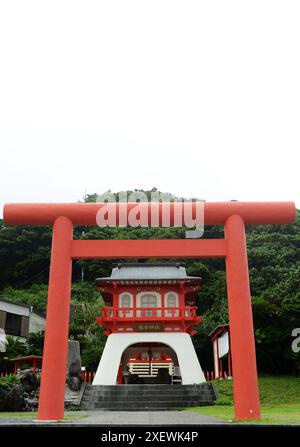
(147, 397)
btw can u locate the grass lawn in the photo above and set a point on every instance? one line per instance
(279, 397)
(33, 415)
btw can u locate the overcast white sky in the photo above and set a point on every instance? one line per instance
(198, 98)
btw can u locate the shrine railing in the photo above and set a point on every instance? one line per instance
(151, 313)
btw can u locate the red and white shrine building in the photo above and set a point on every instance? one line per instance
(149, 319)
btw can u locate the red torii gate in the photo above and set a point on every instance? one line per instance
(233, 215)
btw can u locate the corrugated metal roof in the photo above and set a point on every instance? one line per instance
(15, 303)
(27, 306)
(148, 271)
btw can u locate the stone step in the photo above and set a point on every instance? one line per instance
(137, 389)
(133, 409)
(149, 386)
(116, 394)
(128, 406)
(208, 396)
(147, 397)
(145, 394)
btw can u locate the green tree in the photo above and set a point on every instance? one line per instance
(14, 347)
(35, 343)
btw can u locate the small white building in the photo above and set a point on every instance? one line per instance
(19, 320)
(220, 338)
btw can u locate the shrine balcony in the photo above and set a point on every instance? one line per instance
(116, 319)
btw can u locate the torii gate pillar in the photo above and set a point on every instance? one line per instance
(246, 397)
(53, 388)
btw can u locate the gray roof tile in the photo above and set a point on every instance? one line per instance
(148, 271)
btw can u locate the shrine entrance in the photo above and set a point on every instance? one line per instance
(148, 363)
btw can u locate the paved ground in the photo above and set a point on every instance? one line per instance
(108, 418)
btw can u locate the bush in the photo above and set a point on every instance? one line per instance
(73, 408)
(223, 402)
(6, 383)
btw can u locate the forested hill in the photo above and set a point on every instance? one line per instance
(274, 264)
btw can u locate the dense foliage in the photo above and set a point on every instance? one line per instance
(274, 264)
(6, 383)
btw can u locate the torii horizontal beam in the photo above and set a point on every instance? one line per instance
(151, 248)
(215, 213)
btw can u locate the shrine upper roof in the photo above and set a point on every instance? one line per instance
(148, 271)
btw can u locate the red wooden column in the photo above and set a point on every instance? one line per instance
(245, 384)
(53, 380)
(134, 304)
